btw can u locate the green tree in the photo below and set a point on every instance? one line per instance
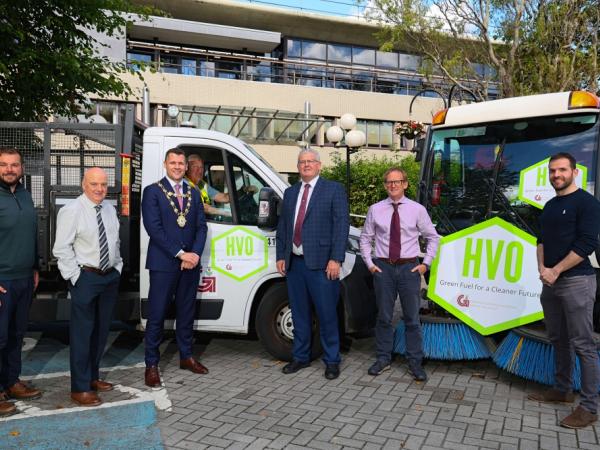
(559, 49)
(49, 60)
(366, 176)
(527, 46)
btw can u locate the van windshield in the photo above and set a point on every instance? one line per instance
(483, 171)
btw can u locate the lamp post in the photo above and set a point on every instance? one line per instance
(352, 140)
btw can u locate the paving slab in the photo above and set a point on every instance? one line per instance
(246, 402)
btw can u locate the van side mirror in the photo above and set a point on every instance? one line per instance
(268, 209)
(418, 149)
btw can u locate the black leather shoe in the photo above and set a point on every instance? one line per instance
(417, 372)
(332, 371)
(294, 367)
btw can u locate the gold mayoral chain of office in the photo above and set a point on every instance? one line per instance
(181, 221)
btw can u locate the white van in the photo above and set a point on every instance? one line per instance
(240, 290)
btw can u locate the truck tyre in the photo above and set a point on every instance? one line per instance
(274, 325)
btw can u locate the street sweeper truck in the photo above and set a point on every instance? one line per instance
(484, 180)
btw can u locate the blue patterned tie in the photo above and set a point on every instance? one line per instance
(104, 264)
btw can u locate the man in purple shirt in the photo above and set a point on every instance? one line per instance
(395, 224)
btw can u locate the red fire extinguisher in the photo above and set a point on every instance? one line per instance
(436, 192)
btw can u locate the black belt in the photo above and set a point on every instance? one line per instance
(399, 261)
(97, 271)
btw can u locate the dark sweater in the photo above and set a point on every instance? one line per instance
(570, 223)
(18, 233)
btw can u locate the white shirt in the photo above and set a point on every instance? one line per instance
(312, 183)
(77, 243)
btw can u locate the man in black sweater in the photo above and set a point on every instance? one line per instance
(569, 227)
(18, 276)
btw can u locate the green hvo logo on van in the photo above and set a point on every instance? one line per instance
(535, 187)
(239, 253)
(486, 276)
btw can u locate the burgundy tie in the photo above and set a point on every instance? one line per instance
(300, 218)
(395, 234)
(179, 197)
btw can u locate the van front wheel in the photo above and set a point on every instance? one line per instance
(274, 325)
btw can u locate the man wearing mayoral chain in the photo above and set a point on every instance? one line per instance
(174, 218)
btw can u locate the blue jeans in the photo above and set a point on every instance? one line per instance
(14, 315)
(394, 280)
(568, 306)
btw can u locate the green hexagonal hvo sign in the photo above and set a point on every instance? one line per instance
(486, 276)
(239, 253)
(535, 187)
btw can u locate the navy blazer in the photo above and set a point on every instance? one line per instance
(166, 237)
(324, 230)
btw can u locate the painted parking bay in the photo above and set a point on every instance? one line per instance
(127, 418)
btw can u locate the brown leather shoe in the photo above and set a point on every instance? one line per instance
(552, 396)
(6, 408)
(580, 418)
(193, 366)
(152, 377)
(101, 386)
(89, 398)
(21, 391)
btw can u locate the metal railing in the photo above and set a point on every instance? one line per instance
(199, 62)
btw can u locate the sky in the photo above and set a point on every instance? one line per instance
(334, 7)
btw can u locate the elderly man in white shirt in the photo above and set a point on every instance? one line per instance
(87, 249)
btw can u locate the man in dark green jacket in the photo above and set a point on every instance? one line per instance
(18, 276)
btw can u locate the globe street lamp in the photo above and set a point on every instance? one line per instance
(345, 135)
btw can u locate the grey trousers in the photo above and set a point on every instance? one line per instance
(568, 306)
(394, 280)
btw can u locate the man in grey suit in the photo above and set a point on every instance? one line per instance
(311, 243)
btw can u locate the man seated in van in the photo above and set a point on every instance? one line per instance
(208, 194)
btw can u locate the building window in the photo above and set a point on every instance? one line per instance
(259, 71)
(361, 55)
(386, 134)
(169, 63)
(207, 68)
(136, 57)
(373, 134)
(387, 60)
(229, 69)
(339, 53)
(294, 48)
(314, 50)
(409, 62)
(188, 66)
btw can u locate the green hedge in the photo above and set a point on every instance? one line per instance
(366, 175)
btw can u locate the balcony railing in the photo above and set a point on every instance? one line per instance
(198, 62)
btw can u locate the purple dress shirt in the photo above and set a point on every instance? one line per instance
(414, 220)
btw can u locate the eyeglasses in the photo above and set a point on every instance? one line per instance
(394, 182)
(307, 161)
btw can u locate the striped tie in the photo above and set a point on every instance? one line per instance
(104, 264)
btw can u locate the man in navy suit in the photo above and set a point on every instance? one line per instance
(174, 219)
(312, 235)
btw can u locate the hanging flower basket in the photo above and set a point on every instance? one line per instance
(410, 129)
